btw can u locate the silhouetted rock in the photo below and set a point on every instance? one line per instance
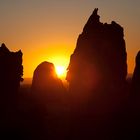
(11, 70)
(46, 80)
(49, 94)
(134, 102)
(136, 77)
(97, 80)
(99, 58)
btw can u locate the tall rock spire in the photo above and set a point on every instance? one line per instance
(94, 20)
(99, 57)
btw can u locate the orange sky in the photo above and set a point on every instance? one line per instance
(47, 30)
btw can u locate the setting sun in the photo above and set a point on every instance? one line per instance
(60, 70)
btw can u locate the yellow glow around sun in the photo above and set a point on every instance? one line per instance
(60, 62)
(60, 70)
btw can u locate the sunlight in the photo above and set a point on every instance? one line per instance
(60, 62)
(60, 70)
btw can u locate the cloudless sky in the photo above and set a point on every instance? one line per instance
(48, 29)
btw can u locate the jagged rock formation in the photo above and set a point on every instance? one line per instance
(97, 80)
(11, 71)
(99, 58)
(136, 76)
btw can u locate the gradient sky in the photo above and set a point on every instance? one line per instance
(48, 29)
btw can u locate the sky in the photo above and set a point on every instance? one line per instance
(47, 30)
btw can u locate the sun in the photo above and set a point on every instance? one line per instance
(60, 71)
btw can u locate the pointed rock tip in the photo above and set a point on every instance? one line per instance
(95, 15)
(20, 52)
(93, 19)
(4, 48)
(95, 12)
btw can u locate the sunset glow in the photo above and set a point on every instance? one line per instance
(70, 69)
(60, 70)
(60, 62)
(46, 30)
